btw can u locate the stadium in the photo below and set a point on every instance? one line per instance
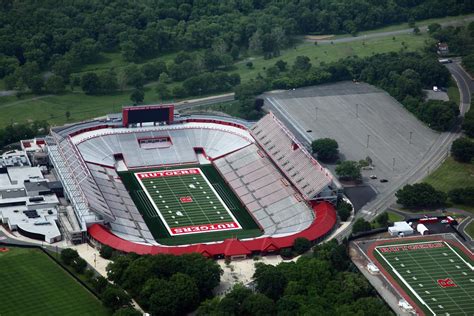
(149, 181)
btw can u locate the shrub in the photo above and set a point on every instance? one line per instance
(301, 245)
(68, 256)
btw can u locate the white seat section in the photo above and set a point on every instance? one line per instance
(101, 146)
(128, 222)
(305, 173)
(258, 184)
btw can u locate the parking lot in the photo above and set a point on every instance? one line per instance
(364, 120)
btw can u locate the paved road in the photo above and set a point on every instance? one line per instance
(464, 82)
(423, 28)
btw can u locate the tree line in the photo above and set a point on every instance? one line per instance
(165, 284)
(323, 282)
(62, 38)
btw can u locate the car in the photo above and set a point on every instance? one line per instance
(383, 180)
(309, 131)
(373, 176)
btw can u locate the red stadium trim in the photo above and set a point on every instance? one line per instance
(320, 228)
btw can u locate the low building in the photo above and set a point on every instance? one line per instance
(443, 49)
(422, 229)
(27, 203)
(400, 229)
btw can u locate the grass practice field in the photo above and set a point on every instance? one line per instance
(188, 204)
(433, 273)
(31, 283)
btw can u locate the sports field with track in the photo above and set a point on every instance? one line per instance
(188, 204)
(31, 283)
(437, 275)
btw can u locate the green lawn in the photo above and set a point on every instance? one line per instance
(470, 229)
(232, 108)
(333, 52)
(451, 175)
(33, 284)
(453, 92)
(392, 217)
(403, 26)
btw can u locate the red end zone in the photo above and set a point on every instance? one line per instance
(204, 228)
(410, 247)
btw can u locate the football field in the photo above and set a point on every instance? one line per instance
(186, 202)
(434, 273)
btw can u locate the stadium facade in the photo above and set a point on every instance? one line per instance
(286, 192)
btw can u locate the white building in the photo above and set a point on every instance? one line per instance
(400, 229)
(27, 204)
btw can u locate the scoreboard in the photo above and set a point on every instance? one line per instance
(146, 114)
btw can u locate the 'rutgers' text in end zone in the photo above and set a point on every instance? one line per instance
(204, 228)
(171, 173)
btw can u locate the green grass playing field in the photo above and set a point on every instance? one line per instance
(434, 274)
(31, 283)
(200, 210)
(185, 201)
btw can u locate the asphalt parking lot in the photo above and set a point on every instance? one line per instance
(364, 120)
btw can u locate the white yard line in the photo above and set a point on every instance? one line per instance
(405, 282)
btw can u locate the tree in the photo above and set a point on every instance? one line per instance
(286, 253)
(108, 81)
(301, 245)
(420, 195)
(79, 265)
(134, 76)
(127, 311)
(462, 196)
(258, 305)
(302, 63)
(326, 149)
(55, 84)
(137, 96)
(36, 84)
(344, 210)
(416, 30)
(281, 65)
(115, 298)
(348, 170)
(105, 251)
(433, 28)
(462, 149)
(99, 284)
(382, 219)
(163, 91)
(270, 281)
(90, 83)
(360, 225)
(68, 255)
